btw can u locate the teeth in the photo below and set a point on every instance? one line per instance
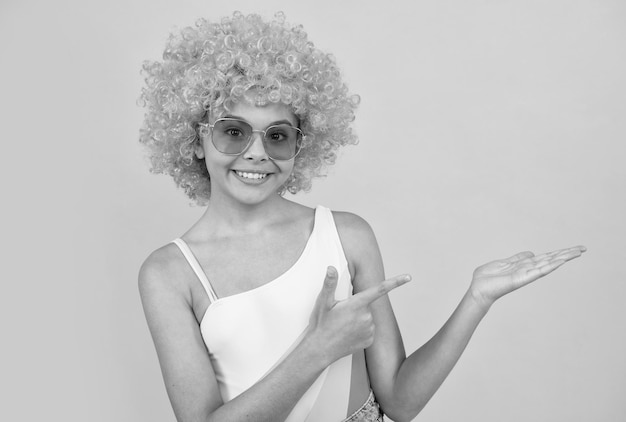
(251, 175)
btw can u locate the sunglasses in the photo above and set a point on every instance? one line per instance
(233, 136)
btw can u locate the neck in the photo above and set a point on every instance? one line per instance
(225, 217)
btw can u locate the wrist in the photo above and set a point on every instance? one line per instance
(315, 351)
(479, 300)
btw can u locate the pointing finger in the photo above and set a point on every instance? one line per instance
(370, 295)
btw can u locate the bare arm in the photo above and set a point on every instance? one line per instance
(336, 329)
(403, 385)
(424, 371)
(386, 354)
(189, 377)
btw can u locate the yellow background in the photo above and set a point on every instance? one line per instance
(486, 127)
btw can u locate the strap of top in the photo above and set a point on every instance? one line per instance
(324, 216)
(195, 266)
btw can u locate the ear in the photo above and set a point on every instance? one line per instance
(199, 150)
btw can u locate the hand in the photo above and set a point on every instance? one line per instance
(497, 278)
(340, 328)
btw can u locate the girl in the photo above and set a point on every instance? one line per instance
(266, 310)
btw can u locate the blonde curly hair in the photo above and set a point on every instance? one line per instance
(211, 66)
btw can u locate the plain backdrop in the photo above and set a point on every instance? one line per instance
(486, 128)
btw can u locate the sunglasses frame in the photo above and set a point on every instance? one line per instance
(249, 142)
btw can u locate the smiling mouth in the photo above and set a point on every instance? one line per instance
(251, 176)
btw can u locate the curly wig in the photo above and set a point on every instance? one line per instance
(211, 66)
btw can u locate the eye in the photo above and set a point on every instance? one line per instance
(233, 132)
(278, 134)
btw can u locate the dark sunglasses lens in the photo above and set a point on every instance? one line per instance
(282, 142)
(231, 136)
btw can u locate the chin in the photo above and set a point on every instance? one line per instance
(248, 193)
(252, 200)
(255, 196)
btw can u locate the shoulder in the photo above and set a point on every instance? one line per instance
(358, 241)
(352, 227)
(160, 273)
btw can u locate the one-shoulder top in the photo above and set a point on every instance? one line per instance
(249, 333)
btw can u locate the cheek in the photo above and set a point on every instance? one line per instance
(286, 168)
(216, 163)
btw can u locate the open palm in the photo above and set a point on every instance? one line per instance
(497, 278)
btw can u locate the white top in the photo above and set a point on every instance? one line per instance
(249, 333)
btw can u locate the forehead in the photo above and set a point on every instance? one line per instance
(262, 116)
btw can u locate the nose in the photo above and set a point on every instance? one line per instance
(256, 150)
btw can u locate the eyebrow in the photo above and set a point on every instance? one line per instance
(277, 122)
